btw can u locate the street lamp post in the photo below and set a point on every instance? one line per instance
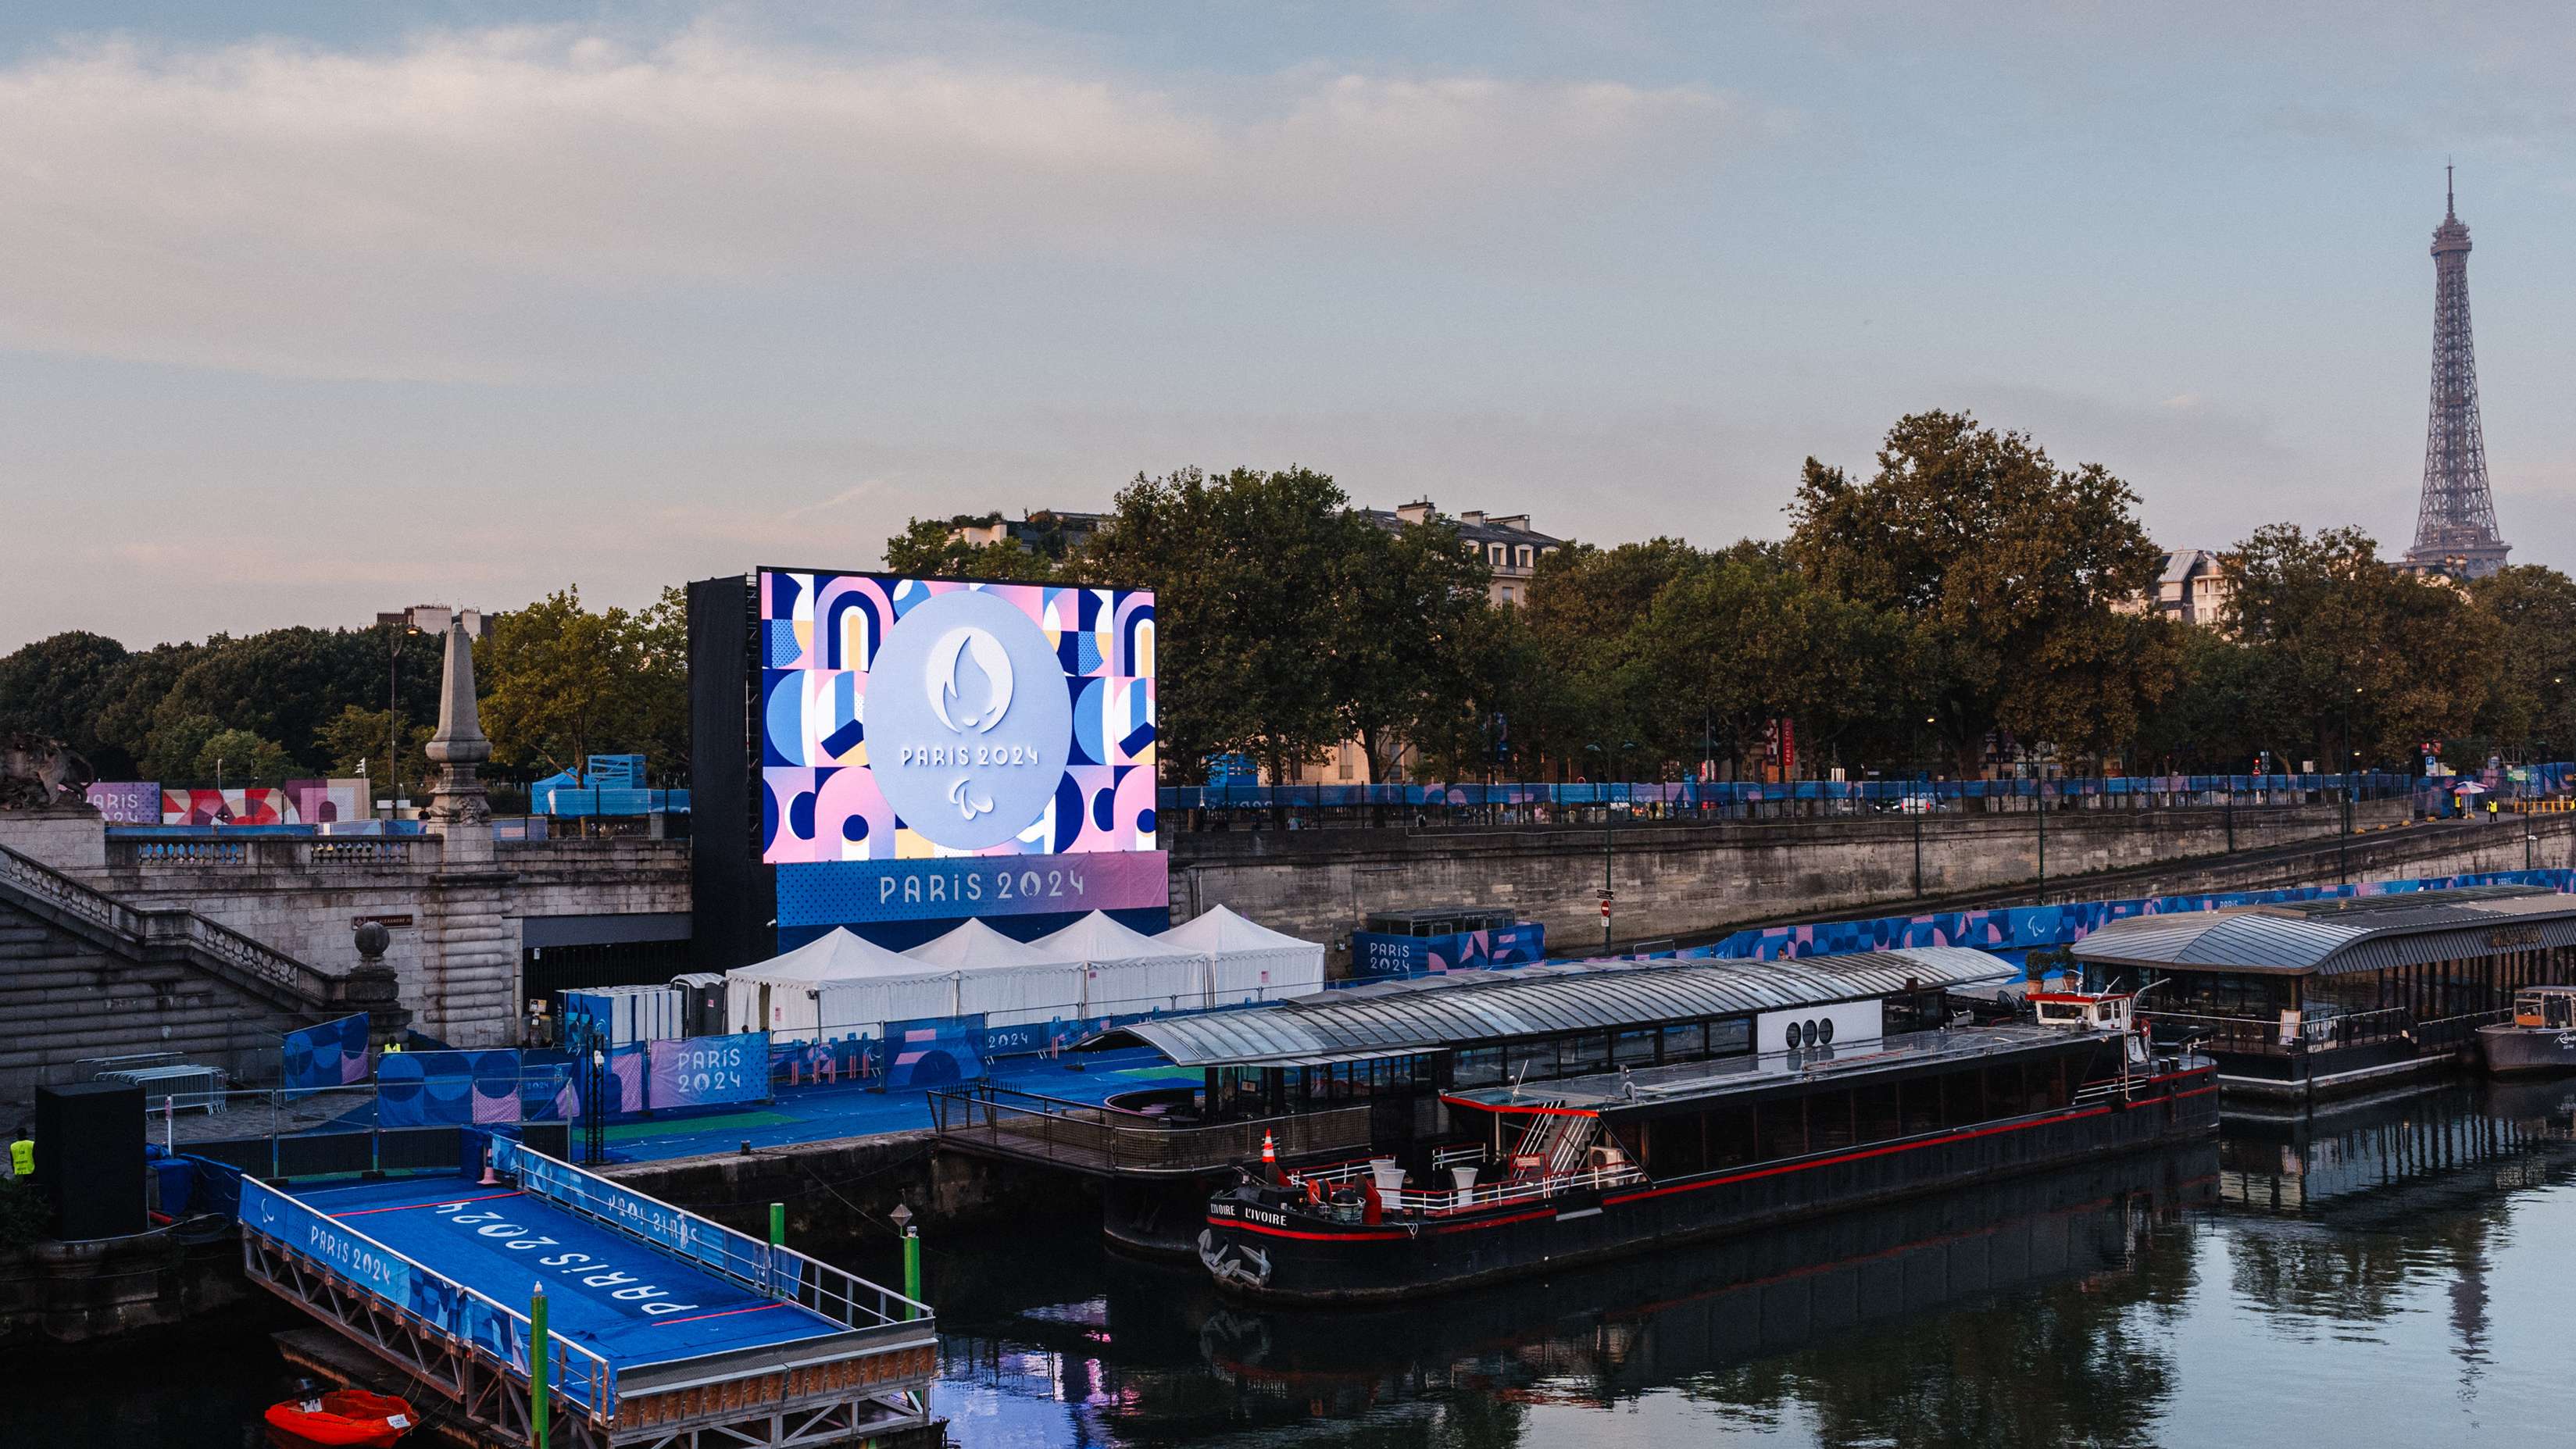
(1919, 806)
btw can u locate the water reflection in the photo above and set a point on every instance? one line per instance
(1748, 1328)
(2178, 1299)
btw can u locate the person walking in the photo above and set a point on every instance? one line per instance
(22, 1154)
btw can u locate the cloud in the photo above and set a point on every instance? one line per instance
(493, 204)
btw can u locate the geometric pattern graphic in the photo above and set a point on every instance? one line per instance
(819, 635)
(333, 1054)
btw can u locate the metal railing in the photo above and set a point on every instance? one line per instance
(1087, 1135)
(2262, 1035)
(1435, 1202)
(776, 1271)
(1542, 805)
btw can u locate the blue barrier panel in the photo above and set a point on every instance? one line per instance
(934, 1051)
(333, 1054)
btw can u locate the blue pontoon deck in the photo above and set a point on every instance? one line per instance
(664, 1328)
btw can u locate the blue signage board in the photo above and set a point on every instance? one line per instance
(1377, 955)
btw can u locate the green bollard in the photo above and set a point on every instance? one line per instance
(911, 1268)
(537, 1414)
(778, 1225)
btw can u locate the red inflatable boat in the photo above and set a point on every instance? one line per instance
(344, 1417)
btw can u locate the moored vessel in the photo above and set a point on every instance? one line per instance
(1536, 1176)
(2541, 1037)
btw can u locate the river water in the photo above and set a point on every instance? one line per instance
(2399, 1273)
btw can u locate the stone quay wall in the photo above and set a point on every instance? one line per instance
(1684, 879)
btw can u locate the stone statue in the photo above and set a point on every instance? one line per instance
(41, 774)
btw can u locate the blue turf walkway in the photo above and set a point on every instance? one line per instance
(821, 1113)
(610, 1293)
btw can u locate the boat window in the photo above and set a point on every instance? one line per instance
(1730, 1036)
(1782, 1129)
(1633, 1048)
(1875, 1109)
(1589, 1052)
(1686, 1043)
(1478, 1067)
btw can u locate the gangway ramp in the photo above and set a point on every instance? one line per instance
(664, 1329)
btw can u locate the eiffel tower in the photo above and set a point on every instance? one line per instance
(2455, 529)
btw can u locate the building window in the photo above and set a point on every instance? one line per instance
(1525, 555)
(1507, 593)
(1501, 556)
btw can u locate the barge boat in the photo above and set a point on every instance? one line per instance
(1538, 1176)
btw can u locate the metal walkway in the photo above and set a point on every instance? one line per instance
(665, 1329)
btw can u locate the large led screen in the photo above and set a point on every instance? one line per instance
(924, 739)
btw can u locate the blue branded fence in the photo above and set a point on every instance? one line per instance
(1692, 796)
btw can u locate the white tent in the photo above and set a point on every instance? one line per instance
(1011, 982)
(780, 995)
(1249, 961)
(1126, 971)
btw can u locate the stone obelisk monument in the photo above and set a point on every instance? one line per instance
(470, 950)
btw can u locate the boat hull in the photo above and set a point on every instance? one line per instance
(1268, 1255)
(2527, 1050)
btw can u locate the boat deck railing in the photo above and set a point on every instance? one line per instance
(1435, 1202)
(2262, 1036)
(1092, 1138)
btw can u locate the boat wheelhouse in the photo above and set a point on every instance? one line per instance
(2320, 998)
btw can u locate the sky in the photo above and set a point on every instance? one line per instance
(315, 308)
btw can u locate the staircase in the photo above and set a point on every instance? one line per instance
(82, 974)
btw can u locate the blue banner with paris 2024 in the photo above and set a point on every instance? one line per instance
(706, 1071)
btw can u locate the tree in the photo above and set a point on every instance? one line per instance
(1744, 640)
(287, 684)
(2348, 646)
(129, 704)
(237, 757)
(2534, 700)
(1584, 606)
(659, 726)
(2208, 723)
(2020, 577)
(926, 549)
(1243, 567)
(54, 688)
(1407, 608)
(356, 740)
(561, 682)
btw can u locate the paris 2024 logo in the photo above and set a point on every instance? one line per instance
(969, 722)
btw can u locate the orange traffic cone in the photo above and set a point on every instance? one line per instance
(1270, 1159)
(489, 1178)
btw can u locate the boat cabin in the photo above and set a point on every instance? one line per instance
(2320, 997)
(2545, 1007)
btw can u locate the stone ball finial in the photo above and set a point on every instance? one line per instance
(373, 938)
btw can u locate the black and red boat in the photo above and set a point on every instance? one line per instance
(1532, 1176)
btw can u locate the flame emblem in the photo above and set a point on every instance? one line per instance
(969, 681)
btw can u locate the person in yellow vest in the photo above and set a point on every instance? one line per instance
(22, 1155)
(2491, 809)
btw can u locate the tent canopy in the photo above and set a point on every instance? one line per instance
(974, 946)
(1219, 928)
(838, 956)
(1248, 961)
(1097, 938)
